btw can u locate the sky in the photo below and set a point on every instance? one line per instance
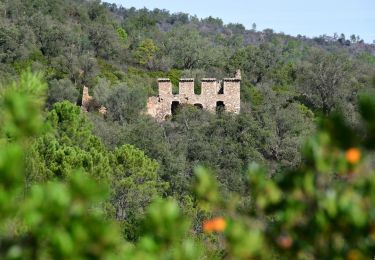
(305, 17)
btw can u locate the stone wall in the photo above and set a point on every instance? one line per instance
(86, 99)
(214, 93)
(87, 102)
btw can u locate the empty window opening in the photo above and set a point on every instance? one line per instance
(175, 90)
(220, 106)
(174, 107)
(199, 106)
(221, 88)
(197, 87)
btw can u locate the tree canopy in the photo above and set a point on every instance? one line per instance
(289, 177)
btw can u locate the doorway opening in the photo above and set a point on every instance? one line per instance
(220, 106)
(175, 107)
(199, 106)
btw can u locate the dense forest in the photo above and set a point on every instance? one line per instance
(126, 184)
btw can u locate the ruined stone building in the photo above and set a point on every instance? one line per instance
(88, 101)
(214, 95)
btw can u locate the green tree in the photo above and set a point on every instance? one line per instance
(319, 209)
(135, 185)
(9, 42)
(186, 47)
(51, 37)
(45, 220)
(104, 40)
(256, 63)
(122, 34)
(146, 53)
(166, 234)
(125, 103)
(60, 90)
(96, 11)
(71, 145)
(324, 81)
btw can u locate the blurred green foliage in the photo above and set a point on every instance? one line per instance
(60, 211)
(77, 185)
(320, 209)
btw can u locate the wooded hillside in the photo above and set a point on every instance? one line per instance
(293, 89)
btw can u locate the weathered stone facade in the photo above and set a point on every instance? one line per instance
(214, 94)
(87, 100)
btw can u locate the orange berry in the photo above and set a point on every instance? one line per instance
(353, 155)
(216, 224)
(285, 241)
(354, 254)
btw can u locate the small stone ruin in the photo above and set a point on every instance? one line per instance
(214, 95)
(88, 101)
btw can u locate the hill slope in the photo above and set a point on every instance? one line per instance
(118, 53)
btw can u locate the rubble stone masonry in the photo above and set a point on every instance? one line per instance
(86, 99)
(214, 93)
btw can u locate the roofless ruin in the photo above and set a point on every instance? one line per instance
(215, 95)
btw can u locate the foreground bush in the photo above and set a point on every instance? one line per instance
(322, 209)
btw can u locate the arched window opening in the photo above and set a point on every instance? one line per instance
(221, 88)
(220, 106)
(199, 106)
